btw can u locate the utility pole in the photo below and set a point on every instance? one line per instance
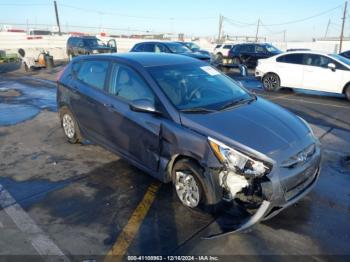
(257, 31)
(57, 19)
(342, 28)
(327, 29)
(221, 19)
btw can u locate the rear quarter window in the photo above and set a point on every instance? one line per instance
(92, 72)
(291, 59)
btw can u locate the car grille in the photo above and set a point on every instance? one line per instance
(310, 175)
(301, 158)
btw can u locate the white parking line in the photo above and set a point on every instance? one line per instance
(39, 240)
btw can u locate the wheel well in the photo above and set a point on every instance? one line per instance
(347, 84)
(177, 158)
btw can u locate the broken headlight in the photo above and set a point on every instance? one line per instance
(237, 161)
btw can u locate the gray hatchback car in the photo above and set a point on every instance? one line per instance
(182, 121)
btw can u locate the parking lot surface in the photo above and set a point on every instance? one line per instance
(83, 201)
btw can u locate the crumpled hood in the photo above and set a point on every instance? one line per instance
(261, 126)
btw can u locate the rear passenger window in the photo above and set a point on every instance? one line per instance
(227, 47)
(127, 84)
(259, 49)
(92, 73)
(291, 59)
(145, 48)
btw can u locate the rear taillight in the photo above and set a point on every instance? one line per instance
(60, 73)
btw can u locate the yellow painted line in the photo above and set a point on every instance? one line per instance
(130, 230)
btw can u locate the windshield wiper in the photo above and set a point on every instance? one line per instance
(197, 110)
(238, 102)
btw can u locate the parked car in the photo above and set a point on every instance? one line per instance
(346, 54)
(194, 48)
(169, 47)
(298, 49)
(306, 70)
(86, 45)
(248, 54)
(221, 51)
(182, 121)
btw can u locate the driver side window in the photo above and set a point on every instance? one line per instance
(128, 85)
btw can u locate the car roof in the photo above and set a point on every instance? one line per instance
(307, 52)
(158, 42)
(147, 59)
(84, 36)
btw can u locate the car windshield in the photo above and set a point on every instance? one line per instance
(272, 49)
(93, 42)
(341, 58)
(177, 48)
(192, 46)
(197, 86)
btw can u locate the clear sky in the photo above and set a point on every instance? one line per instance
(192, 17)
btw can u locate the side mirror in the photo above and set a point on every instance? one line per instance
(332, 66)
(144, 106)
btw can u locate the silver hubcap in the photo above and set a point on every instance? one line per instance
(187, 189)
(271, 82)
(68, 126)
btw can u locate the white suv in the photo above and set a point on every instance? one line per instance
(221, 51)
(306, 70)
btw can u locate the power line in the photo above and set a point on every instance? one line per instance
(134, 16)
(306, 18)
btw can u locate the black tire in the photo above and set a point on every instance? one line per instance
(271, 82)
(219, 58)
(190, 167)
(70, 57)
(75, 136)
(347, 92)
(26, 68)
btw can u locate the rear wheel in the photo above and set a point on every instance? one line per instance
(219, 58)
(347, 92)
(271, 82)
(186, 179)
(70, 126)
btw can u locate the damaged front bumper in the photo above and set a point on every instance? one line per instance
(283, 188)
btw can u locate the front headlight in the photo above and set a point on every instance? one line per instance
(237, 161)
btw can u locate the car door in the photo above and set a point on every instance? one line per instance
(260, 53)
(133, 134)
(317, 75)
(161, 48)
(113, 45)
(247, 54)
(79, 48)
(290, 70)
(87, 103)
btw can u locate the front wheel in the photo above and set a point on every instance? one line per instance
(186, 180)
(271, 82)
(347, 92)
